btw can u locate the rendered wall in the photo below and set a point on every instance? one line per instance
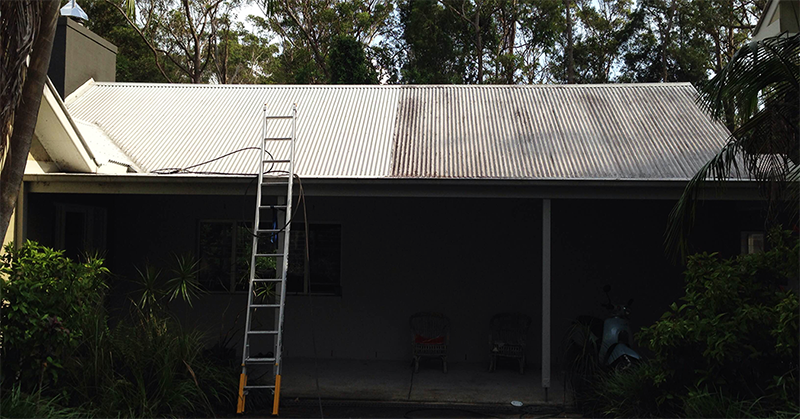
(468, 258)
(79, 55)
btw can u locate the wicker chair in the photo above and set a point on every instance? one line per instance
(430, 334)
(507, 338)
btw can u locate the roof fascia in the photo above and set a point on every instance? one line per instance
(768, 11)
(386, 187)
(57, 133)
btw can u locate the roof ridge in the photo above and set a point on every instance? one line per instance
(387, 86)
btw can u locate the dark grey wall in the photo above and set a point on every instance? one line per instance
(468, 258)
(78, 55)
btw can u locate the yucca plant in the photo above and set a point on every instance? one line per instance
(155, 292)
(184, 282)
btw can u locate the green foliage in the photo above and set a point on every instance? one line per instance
(734, 321)
(348, 63)
(581, 348)
(626, 393)
(155, 293)
(46, 298)
(150, 367)
(756, 96)
(730, 347)
(436, 41)
(242, 56)
(184, 283)
(61, 359)
(135, 61)
(308, 29)
(17, 404)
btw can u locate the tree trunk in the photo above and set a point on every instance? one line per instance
(479, 41)
(570, 48)
(666, 40)
(512, 36)
(26, 114)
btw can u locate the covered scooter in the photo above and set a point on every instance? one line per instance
(615, 348)
(613, 335)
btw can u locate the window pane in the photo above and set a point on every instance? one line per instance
(215, 255)
(244, 244)
(324, 248)
(74, 234)
(297, 251)
(325, 261)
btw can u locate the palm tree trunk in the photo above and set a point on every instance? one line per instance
(27, 113)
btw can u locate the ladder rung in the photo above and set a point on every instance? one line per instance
(263, 332)
(277, 161)
(254, 387)
(268, 255)
(272, 207)
(264, 305)
(267, 280)
(259, 360)
(277, 139)
(279, 117)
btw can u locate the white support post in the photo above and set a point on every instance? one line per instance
(546, 294)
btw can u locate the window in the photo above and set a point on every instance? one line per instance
(752, 242)
(225, 248)
(320, 274)
(224, 253)
(80, 229)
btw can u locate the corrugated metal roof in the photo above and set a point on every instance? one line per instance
(614, 131)
(341, 131)
(646, 131)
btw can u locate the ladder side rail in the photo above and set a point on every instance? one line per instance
(286, 243)
(256, 224)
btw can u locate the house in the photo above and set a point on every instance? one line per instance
(779, 16)
(467, 200)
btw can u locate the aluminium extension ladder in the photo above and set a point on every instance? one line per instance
(277, 234)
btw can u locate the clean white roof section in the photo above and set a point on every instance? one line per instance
(341, 131)
(103, 148)
(613, 131)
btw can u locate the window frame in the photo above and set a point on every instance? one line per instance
(234, 223)
(746, 242)
(95, 226)
(306, 264)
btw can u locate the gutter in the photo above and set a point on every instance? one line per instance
(78, 183)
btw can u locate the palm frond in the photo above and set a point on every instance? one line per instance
(756, 94)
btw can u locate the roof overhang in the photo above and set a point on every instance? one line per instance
(148, 184)
(58, 135)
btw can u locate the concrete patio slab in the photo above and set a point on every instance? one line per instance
(395, 381)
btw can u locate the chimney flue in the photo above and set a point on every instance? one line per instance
(71, 9)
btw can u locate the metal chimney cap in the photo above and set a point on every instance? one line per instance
(72, 9)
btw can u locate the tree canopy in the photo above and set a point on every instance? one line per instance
(756, 95)
(425, 41)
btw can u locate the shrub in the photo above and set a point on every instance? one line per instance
(17, 404)
(46, 300)
(731, 346)
(627, 393)
(60, 357)
(151, 367)
(737, 329)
